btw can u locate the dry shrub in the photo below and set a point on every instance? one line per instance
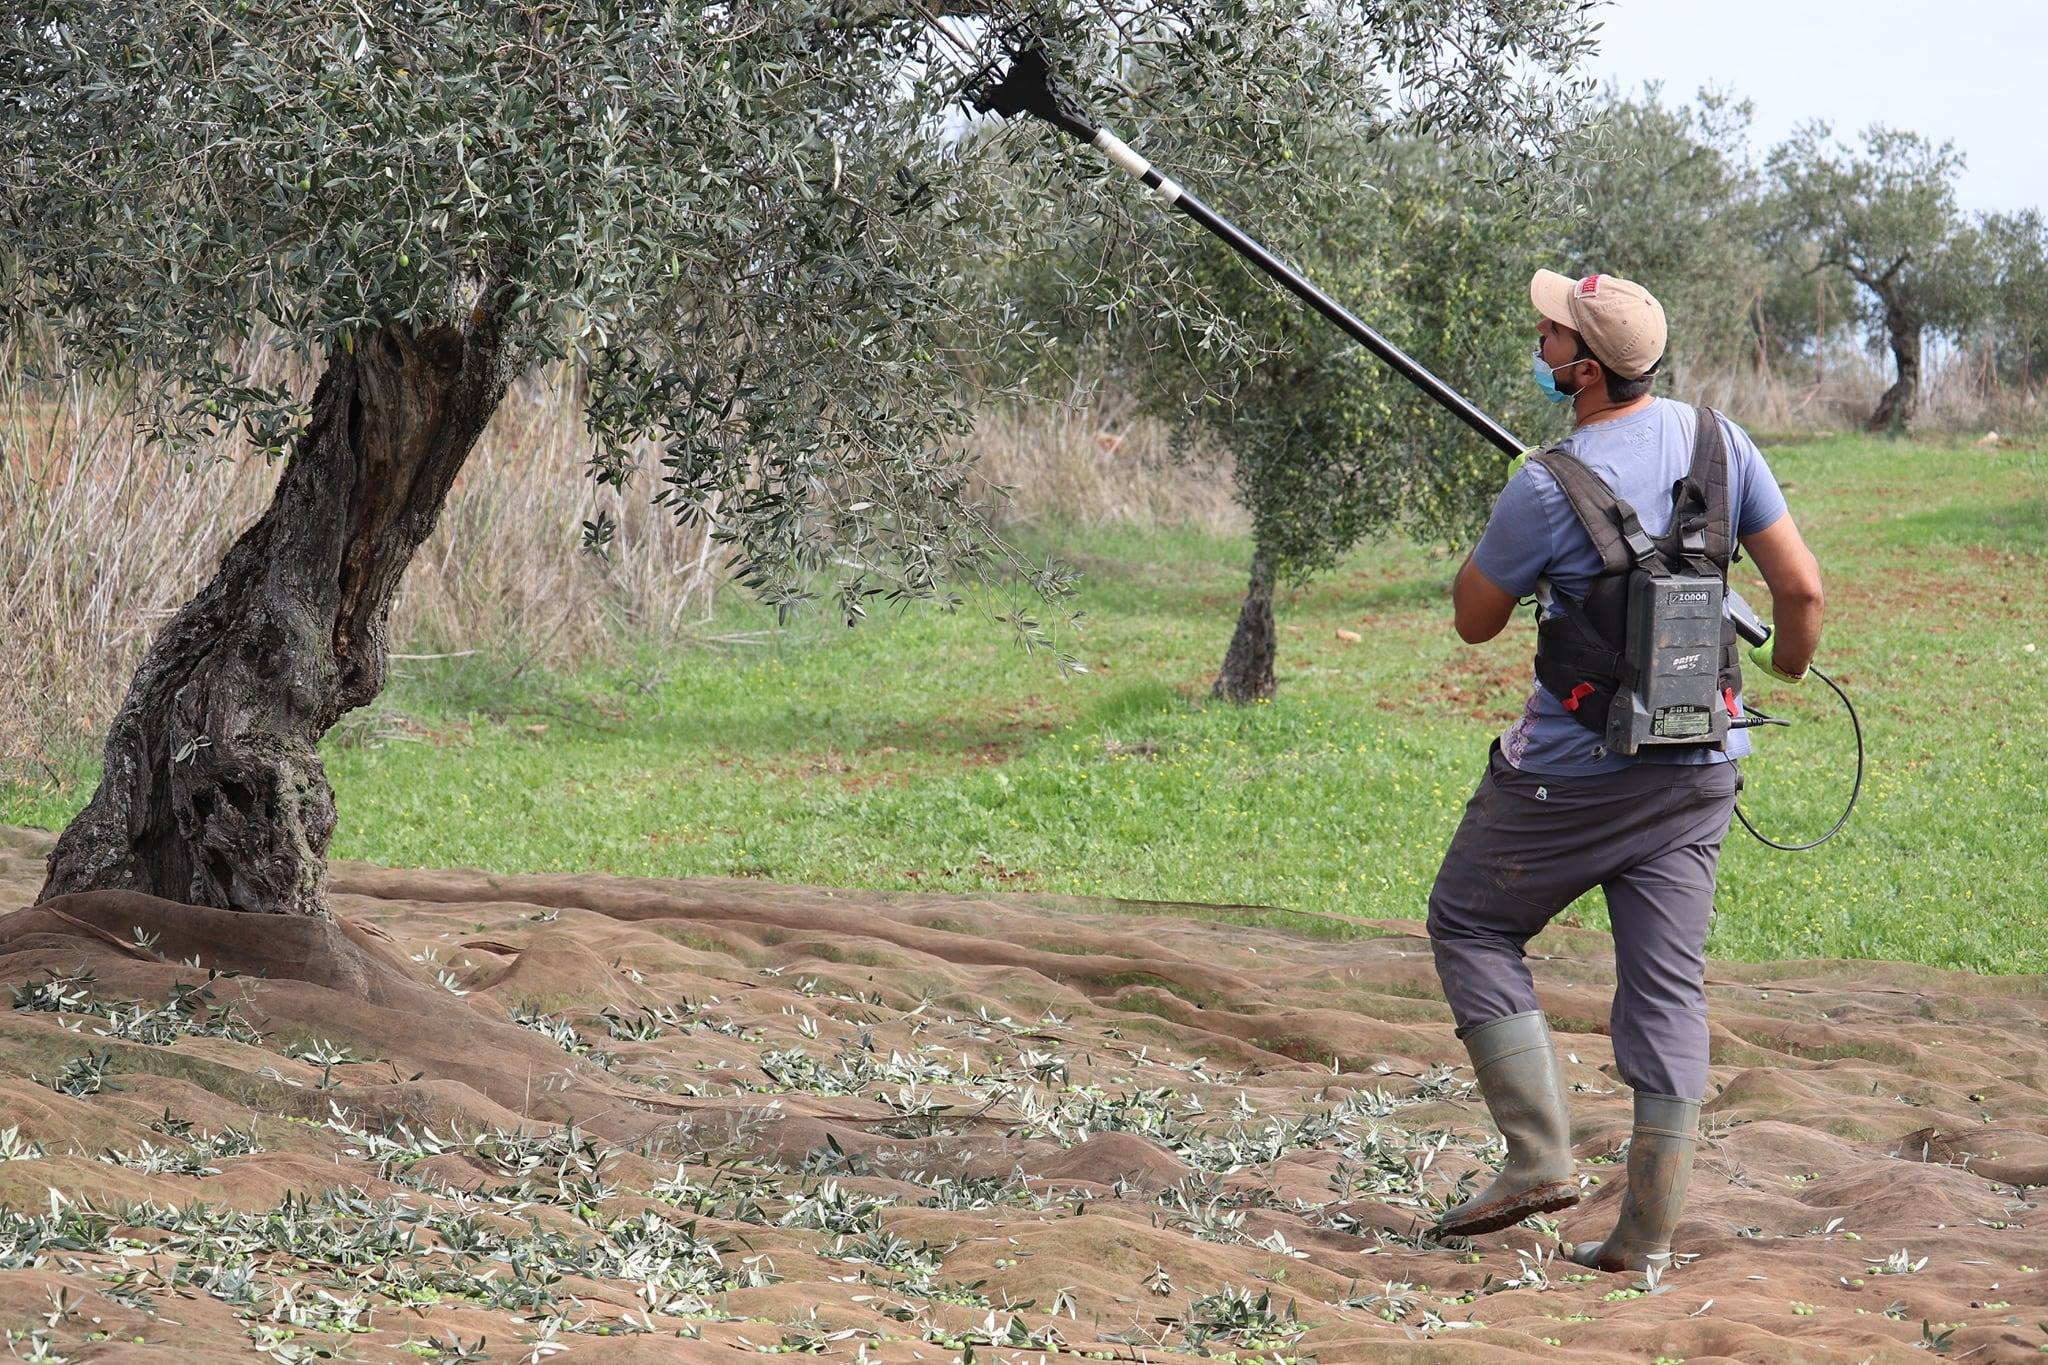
(505, 568)
(103, 537)
(1091, 459)
(1960, 392)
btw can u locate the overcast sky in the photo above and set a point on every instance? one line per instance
(1975, 72)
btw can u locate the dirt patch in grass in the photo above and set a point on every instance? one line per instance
(983, 869)
(1939, 600)
(653, 1120)
(1482, 684)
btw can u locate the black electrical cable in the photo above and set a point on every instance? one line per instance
(1854, 791)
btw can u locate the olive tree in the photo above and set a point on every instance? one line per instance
(1329, 446)
(2016, 273)
(1668, 196)
(1884, 214)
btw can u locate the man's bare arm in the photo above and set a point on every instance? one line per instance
(1793, 576)
(1480, 608)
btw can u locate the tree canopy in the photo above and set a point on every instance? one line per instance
(1667, 195)
(1884, 213)
(746, 221)
(736, 219)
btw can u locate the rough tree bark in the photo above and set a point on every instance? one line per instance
(1895, 407)
(213, 792)
(1247, 674)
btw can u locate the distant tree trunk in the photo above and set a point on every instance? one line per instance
(1763, 336)
(213, 792)
(1247, 674)
(1895, 408)
(1820, 329)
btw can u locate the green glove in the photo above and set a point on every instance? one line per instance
(1515, 465)
(1760, 655)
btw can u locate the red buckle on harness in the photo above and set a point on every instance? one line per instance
(1728, 696)
(1579, 694)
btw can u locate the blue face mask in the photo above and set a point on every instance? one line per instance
(1546, 377)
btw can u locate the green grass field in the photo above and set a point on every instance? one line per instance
(927, 751)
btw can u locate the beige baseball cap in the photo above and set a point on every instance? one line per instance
(1622, 322)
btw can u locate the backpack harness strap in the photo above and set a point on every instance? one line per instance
(1612, 525)
(1699, 535)
(1705, 486)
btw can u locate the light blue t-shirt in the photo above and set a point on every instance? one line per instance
(1533, 534)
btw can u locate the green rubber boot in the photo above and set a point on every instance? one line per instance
(1660, 1154)
(1524, 1091)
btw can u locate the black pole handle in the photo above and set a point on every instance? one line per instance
(1407, 366)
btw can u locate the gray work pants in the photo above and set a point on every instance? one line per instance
(1529, 845)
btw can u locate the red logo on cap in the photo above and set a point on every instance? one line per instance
(1589, 285)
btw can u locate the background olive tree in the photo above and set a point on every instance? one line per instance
(1884, 214)
(1667, 195)
(727, 215)
(1329, 445)
(2016, 280)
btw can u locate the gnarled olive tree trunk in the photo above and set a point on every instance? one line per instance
(1895, 407)
(213, 793)
(1247, 673)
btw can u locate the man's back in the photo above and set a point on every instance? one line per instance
(1533, 534)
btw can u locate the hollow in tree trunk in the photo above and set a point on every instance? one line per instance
(1247, 674)
(213, 791)
(1895, 408)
